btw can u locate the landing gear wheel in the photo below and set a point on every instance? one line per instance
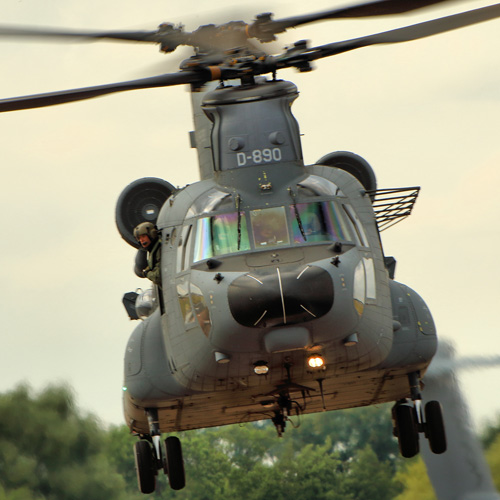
(407, 430)
(434, 427)
(175, 463)
(144, 464)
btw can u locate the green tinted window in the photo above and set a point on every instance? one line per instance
(219, 235)
(320, 222)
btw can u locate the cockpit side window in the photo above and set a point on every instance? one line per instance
(221, 234)
(269, 227)
(320, 222)
(357, 225)
(184, 249)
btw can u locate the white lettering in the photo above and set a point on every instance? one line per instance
(258, 156)
(241, 159)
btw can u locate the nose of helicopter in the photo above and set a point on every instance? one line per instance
(280, 296)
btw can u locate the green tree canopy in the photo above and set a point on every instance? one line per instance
(48, 451)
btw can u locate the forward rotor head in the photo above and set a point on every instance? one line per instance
(229, 51)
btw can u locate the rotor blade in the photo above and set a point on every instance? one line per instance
(64, 96)
(449, 365)
(414, 32)
(369, 9)
(25, 32)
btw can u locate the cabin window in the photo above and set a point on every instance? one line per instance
(200, 309)
(185, 304)
(193, 306)
(359, 288)
(371, 289)
(320, 222)
(269, 227)
(221, 234)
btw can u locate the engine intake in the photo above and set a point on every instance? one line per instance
(140, 201)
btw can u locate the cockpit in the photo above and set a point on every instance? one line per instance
(300, 222)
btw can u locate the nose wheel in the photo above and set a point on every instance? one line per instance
(409, 421)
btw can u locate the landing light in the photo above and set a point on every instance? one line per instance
(261, 368)
(315, 361)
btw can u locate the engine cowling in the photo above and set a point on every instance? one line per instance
(140, 201)
(354, 164)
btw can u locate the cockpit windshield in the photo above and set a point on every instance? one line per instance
(296, 224)
(220, 235)
(269, 227)
(320, 222)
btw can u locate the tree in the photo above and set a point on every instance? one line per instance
(49, 451)
(313, 473)
(350, 430)
(493, 457)
(368, 478)
(417, 486)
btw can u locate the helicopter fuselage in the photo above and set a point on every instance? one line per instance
(265, 266)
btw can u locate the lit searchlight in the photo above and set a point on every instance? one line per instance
(316, 361)
(261, 368)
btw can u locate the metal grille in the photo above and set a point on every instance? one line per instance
(392, 205)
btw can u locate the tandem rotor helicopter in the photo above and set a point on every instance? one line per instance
(275, 298)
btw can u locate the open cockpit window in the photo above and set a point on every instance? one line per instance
(320, 222)
(220, 235)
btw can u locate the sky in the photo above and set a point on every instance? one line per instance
(423, 114)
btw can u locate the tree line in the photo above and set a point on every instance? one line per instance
(51, 450)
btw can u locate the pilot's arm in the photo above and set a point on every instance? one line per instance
(141, 262)
(154, 274)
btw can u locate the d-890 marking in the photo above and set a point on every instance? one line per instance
(258, 156)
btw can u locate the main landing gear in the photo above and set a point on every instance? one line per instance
(151, 456)
(409, 420)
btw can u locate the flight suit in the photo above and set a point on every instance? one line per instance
(147, 263)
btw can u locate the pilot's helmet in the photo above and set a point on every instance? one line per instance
(146, 228)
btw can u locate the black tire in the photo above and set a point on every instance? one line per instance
(407, 432)
(144, 465)
(434, 427)
(175, 463)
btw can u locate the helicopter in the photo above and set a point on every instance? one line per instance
(213, 350)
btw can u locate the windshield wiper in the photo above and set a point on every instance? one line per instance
(238, 203)
(297, 215)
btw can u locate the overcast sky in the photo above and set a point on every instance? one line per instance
(423, 113)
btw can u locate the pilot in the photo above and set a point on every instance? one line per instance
(147, 261)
